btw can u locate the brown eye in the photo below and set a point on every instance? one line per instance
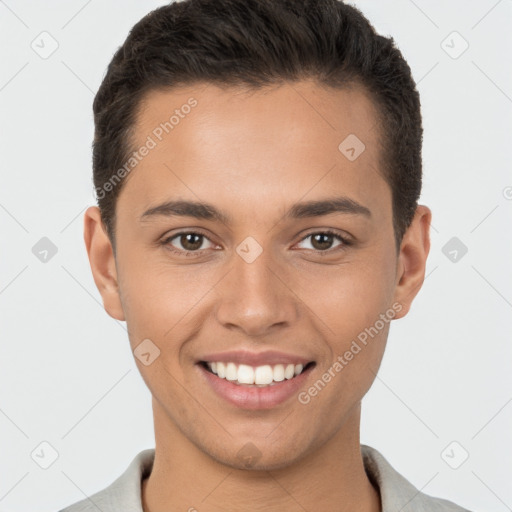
(191, 241)
(186, 243)
(322, 241)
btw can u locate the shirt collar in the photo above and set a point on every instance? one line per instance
(397, 494)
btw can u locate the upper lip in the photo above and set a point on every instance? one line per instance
(271, 357)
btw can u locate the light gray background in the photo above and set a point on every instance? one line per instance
(67, 376)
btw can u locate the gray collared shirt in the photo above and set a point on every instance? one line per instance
(396, 493)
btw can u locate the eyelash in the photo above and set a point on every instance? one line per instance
(166, 242)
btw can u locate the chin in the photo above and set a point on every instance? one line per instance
(255, 456)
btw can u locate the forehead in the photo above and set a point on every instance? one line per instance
(269, 111)
(289, 138)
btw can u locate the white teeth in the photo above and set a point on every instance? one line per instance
(231, 373)
(278, 372)
(245, 374)
(263, 375)
(289, 371)
(221, 370)
(260, 376)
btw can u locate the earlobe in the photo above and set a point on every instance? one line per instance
(102, 261)
(412, 259)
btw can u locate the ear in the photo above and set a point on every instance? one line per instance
(102, 261)
(412, 259)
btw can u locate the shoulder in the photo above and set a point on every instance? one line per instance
(396, 492)
(122, 494)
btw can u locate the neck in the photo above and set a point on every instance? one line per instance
(186, 478)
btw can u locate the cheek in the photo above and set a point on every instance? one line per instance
(348, 297)
(348, 304)
(157, 299)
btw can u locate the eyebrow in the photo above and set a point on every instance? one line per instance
(205, 211)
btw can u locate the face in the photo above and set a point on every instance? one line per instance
(290, 260)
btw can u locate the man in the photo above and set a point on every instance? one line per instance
(257, 165)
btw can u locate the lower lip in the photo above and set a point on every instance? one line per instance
(254, 398)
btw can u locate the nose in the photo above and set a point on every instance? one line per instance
(256, 298)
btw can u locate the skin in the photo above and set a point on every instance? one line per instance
(252, 155)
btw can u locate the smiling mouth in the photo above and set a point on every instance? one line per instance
(255, 376)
